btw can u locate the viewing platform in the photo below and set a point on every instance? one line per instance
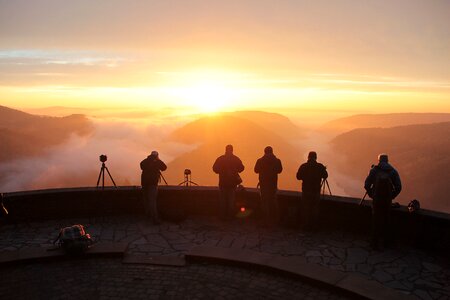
(194, 255)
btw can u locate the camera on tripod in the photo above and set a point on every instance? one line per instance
(103, 158)
(187, 178)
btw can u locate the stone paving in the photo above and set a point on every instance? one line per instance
(110, 279)
(411, 271)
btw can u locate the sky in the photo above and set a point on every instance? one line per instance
(204, 56)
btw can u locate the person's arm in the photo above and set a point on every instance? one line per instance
(217, 166)
(240, 166)
(300, 173)
(162, 166)
(369, 182)
(397, 184)
(279, 166)
(257, 168)
(324, 172)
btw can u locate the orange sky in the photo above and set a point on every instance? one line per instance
(200, 56)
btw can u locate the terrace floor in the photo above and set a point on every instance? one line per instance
(413, 272)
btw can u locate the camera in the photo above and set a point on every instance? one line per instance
(103, 158)
(187, 172)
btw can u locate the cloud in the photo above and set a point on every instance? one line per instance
(60, 57)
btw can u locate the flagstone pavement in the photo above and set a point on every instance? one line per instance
(409, 270)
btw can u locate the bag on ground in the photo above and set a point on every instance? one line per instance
(74, 239)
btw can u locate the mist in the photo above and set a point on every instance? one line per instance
(76, 162)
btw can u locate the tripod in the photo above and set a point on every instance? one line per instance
(322, 186)
(102, 176)
(187, 178)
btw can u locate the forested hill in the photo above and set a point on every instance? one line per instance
(23, 134)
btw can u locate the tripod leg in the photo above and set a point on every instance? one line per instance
(362, 200)
(99, 175)
(103, 178)
(323, 189)
(329, 190)
(110, 177)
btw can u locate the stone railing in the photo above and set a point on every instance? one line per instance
(426, 228)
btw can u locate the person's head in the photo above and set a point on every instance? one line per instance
(312, 155)
(383, 157)
(268, 150)
(154, 154)
(229, 149)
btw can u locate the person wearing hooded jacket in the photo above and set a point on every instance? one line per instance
(382, 200)
(151, 170)
(228, 166)
(268, 167)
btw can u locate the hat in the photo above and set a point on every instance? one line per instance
(383, 157)
(155, 153)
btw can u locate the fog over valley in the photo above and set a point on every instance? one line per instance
(62, 149)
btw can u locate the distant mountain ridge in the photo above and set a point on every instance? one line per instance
(421, 153)
(383, 121)
(279, 124)
(23, 134)
(249, 139)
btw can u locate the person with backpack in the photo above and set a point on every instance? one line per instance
(228, 166)
(312, 174)
(151, 175)
(382, 185)
(268, 167)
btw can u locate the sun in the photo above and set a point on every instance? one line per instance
(208, 96)
(204, 91)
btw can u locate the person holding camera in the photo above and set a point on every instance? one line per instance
(382, 184)
(313, 175)
(268, 167)
(151, 175)
(228, 166)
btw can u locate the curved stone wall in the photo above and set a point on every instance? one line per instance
(426, 228)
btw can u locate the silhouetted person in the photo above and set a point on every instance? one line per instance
(151, 170)
(382, 185)
(312, 175)
(268, 167)
(228, 166)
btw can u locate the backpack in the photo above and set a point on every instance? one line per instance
(383, 186)
(74, 239)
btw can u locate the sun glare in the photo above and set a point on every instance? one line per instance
(205, 95)
(208, 96)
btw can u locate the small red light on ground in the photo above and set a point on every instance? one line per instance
(242, 209)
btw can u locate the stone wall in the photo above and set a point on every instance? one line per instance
(426, 228)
